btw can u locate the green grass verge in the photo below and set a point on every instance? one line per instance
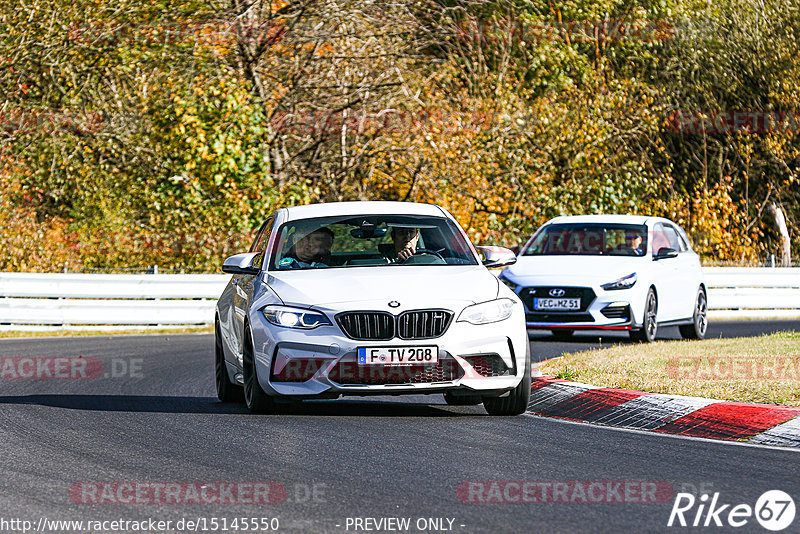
(138, 331)
(763, 369)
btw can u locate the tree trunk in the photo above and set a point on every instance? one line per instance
(780, 222)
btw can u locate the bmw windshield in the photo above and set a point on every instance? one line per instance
(589, 240)
(370, 241)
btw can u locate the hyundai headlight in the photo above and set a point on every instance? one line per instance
(511, 285)
(487, 312)
(295, 317)
(626, 282)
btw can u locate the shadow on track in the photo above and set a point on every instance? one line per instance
(600, 339)
(545, 345)
(210, 405)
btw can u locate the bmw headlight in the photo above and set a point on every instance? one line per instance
(295, 317)
(626, 282)
(487, 312)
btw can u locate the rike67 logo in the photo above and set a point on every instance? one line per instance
(774, 510)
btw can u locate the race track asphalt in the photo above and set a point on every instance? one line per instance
(366, 458)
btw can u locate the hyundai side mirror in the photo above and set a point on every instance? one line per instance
(497, 257)
(241, 264)
(664, 253)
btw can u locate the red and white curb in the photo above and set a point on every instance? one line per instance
(765, 424)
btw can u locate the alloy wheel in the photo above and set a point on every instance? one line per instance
(700, 314)
(650, 315)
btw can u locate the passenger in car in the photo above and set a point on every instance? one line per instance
(311, 250)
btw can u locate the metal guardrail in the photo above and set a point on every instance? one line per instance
(757, 292)
(54, 301)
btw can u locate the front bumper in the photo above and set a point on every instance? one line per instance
(599, 310)
(322, 363)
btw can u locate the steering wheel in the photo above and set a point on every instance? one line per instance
(423, 251)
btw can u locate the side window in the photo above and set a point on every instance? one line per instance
(674, 239)
(660, 238)
(684, 241)
(260, 243)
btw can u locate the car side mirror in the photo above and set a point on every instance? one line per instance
(497, 257)
(664, 253)
(241, 264)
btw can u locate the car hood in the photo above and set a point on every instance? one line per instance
(586, 270)
(413, 287)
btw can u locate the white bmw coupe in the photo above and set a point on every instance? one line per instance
(370, 298)
(610, 272)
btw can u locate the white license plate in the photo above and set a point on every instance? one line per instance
(556, 304)
(416, 355)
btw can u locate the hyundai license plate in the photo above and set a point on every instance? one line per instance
(557, 304)
(416, 355)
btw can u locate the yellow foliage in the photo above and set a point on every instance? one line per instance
(713, 221)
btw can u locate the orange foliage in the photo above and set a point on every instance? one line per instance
(29, 244)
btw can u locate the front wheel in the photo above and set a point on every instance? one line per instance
(647, 333)
(697, 330)
(517, 401)
(226, 390)
(255, 398)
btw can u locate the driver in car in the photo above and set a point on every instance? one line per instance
(405, 243)
(633, 244)
(309, 251)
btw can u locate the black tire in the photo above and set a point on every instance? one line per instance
(562, 333)
(649, 329)
(227, 391)
(462, 400)
(517, 401)
(697, 330)
(256, 400)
